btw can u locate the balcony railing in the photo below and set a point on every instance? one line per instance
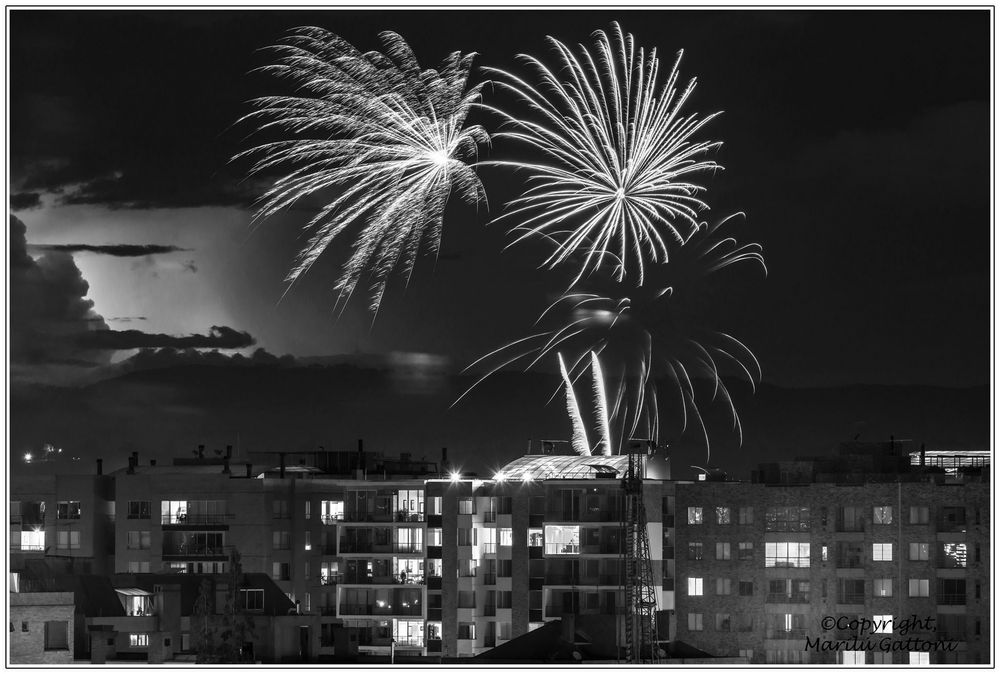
(15, 547)
(410, 642)
(331, 519)
(371, 547)
(375, 609)
(778, 633)
(489, 516)
(784, 598)
(195, 519)
(489, 579)
(856, 598)
(951, 598)
(189, 551)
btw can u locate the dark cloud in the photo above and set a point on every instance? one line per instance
(24, 201)
(48, 305)
(115, 249)
(219, 337)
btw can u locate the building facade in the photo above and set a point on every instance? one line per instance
(846, 562)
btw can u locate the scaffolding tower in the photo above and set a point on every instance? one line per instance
(640, 597)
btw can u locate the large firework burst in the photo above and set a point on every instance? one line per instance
(389, 137)
(620, 156)
(645, 336)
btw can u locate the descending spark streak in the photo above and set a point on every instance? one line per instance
(388, 136)
(618, 181)
(601, 407)
(580, 443)
(645, 337)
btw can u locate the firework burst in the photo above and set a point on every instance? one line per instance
(617, 184)
(645, 336)
(388, 137)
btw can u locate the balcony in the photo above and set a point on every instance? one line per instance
(783, 598)
(952, 598)
(376, 610)
(489, 516)
(356, 547)
(195, 519)
(851, 598)
(489, 579)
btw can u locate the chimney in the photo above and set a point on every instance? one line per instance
(201, 451)
(281, 473)
(131, 465)
(135, 458)
(229, 451)
(249, 470)
(225, 466)
(100, 466)
(923, 455)
(444, 459)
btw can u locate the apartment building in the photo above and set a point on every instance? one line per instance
(399, 558)
(539, 541)
(788, 568)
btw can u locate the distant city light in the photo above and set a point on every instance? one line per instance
(27, 457)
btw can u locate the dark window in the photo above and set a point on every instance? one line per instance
(68, 510)
(139, 510)
(746, 588)
(166, 642)
(24, 626)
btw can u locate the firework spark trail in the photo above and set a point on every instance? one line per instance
(385, 133)
(579, 442)
(618, 184)
(625, 326)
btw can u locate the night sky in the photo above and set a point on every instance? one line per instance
(857, 143)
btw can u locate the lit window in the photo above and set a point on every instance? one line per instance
(506, 537)
(954, 555)
(331, 511)
(434, 537)
(723, 551)
(746, 515)
(723, 515)
(308, 544)
(32, 540)
(882, 587)
(881, 552)
(68, 510)
(695, 515)
(853, 658)
(786, 555)
(138, 639)
(825, 553)
(138, 540)
(696, 587)
(695, 622)
(466, 506)
(920, 551)
(562, 540)
(786, 518)
(252, 599)
(535, 538)
(723, 586)
(882, 515)
(69, 540)
(883, 624)
(746, 551)
(917, 658)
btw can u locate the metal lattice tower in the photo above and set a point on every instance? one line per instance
(640, 597)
